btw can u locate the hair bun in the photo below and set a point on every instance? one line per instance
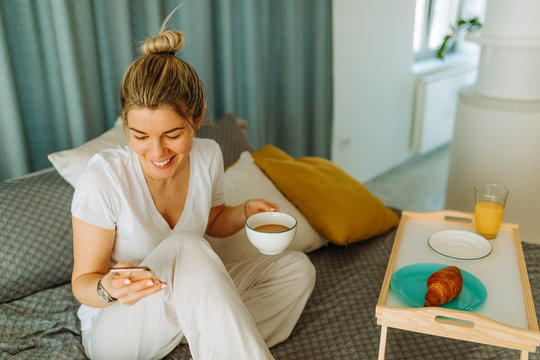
(169, 41)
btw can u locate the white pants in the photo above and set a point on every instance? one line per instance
(234, 312)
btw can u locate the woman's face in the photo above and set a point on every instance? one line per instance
(161, 139)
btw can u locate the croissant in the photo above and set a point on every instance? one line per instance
(443, 286)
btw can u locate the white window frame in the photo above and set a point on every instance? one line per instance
(424, 52)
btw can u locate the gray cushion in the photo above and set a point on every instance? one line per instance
(35, 234)
(229, 136)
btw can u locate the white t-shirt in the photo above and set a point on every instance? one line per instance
(112, 194)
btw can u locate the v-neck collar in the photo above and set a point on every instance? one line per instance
(148, 196)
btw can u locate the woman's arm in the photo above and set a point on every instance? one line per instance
(92, 248)
(226, 220)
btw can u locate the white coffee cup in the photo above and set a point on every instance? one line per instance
(271, 232)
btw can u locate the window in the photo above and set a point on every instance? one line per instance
(434, 20)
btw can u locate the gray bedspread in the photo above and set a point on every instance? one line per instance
(338, 323)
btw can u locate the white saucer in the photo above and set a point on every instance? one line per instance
(461, 245)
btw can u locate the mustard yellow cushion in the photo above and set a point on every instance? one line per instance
(338, 206)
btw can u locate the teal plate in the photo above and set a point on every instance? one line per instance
(409, 283)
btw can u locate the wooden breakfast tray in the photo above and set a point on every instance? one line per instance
(507, 318)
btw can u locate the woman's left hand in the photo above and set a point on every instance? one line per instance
(254, 206)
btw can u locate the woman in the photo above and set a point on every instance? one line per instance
(149, 203)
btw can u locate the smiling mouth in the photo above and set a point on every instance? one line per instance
(162, 164)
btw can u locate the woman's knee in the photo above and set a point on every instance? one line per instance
(309, 270)
(175, 247)
(302, 267)
(185, 242)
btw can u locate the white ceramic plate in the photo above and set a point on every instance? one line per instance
(458, 244)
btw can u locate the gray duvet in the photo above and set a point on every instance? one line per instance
(338, 322)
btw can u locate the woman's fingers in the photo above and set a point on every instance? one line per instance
(150, 290)
(120, 282)
(140, 289)
(260, 205)
(272, 207)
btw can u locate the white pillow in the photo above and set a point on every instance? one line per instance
(244, 181)
(71, 163)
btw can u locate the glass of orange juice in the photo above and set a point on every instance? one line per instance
(490, 200)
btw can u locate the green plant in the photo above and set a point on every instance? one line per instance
(468, 26)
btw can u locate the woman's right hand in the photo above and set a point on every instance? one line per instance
(126, 291)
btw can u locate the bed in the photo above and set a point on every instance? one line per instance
(38, 311)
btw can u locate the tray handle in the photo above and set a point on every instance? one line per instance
(441, 216)
(460, 219)
(454, 321)
(458, 324)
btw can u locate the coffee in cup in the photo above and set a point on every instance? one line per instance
(271, 228)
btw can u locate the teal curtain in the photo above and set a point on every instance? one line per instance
(61, 64)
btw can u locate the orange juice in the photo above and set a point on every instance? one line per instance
(488, 216)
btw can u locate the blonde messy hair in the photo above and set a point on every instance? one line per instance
(159, 78)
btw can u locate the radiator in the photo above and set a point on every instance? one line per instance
(435, 101)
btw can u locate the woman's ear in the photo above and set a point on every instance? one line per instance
(125, 127)
(198, 121)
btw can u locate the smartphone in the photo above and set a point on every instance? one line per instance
(134, 273)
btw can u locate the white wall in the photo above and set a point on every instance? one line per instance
(373, 84)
